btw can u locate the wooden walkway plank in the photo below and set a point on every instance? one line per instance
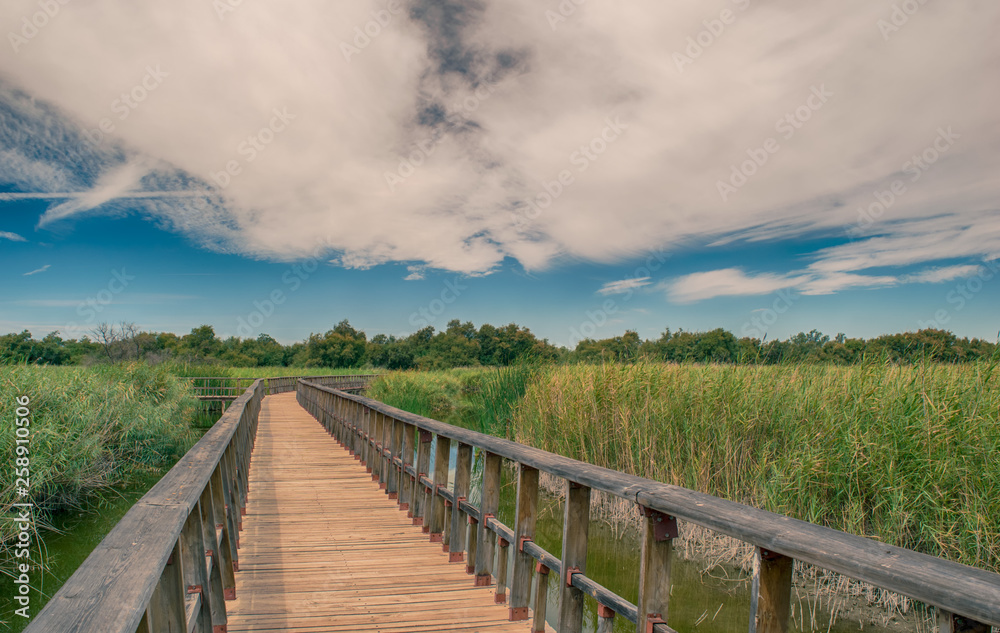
(324, 550)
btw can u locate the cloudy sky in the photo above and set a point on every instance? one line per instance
(580, 167)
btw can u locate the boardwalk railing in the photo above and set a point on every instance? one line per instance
(170, 563)
(396, 445)
(230, 387)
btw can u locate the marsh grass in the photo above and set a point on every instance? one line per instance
(906, 454)
(92, 429)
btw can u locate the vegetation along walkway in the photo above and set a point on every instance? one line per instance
(323, 549)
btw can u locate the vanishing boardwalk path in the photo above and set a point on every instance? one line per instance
(323, 549)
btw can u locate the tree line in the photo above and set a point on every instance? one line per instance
(463, 345)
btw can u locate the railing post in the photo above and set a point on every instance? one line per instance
(406, 482)
(211, 548)
(487, 510)
(951, 623)
(196, 579)
(524, 530)
(398, 473)
(419, 493)
(442, 455)
(656, 557)
(541, 598)
(166, 607)
(503, 556)
(771, 592)
(459, 519)
(576, 526)
(227, 550)
(605, 619)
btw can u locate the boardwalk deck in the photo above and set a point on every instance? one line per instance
(323, 549)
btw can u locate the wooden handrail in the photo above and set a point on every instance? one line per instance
(961, 593)
(169, 564)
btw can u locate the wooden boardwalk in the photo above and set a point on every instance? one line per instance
(323, 549)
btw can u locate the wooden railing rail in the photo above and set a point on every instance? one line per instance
(170, 563)
(395, 446)
(230, 387)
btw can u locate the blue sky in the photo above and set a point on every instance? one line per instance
(578, 174)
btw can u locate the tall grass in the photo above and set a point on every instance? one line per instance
(91, 429)
(906, 454)
(438, 394)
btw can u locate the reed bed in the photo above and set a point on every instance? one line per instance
(92, 429)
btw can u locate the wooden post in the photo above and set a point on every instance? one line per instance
(472, 546)
(605, 619)
(392, 474)
(524, 530)
(442, 455)
(503, 554)
(951, 623)
(166, 606)
(196, 579)
(459, 519)
(226, 551)
(541, 598)
(423, 465)
(211, 547)
(656, 557)
(398, 472)
(488, 510)
(406, 485)
(771, 592)
(576, 526)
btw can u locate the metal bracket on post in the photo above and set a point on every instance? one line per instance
(425, 436)
(652, 619)
(521, 541)
(604, 611)
(569, 575)
(665, 526)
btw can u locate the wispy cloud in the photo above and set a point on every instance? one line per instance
(13, 237)
(38, 270)
(945, 273)
(726, 282)
(623, 286)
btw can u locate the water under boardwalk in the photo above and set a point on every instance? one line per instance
(323, 549)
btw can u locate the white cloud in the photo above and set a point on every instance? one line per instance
(726, 282)
(945, 273)
(623, 286)
(13, 237)
(549, 93)
(38, 270)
